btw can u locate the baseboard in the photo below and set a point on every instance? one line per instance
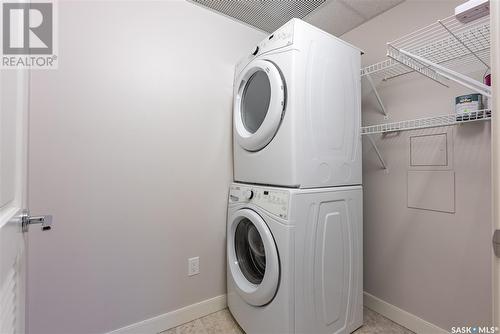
(178, 317)
(175, 318)
(406, 319)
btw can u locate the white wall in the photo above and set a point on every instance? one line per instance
(131, 152)
(432, 264)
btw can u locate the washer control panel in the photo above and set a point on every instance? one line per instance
(273, 200)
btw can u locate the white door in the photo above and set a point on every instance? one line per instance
(259, 103)
(13, 151)
(252, 257)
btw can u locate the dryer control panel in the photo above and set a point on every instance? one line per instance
(279, 39)
(273, 200)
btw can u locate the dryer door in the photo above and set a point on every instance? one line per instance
(252, 257)
(259, 103)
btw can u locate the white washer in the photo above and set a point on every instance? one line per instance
(295, 259)
(297, 110)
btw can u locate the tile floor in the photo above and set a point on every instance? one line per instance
(223, 322)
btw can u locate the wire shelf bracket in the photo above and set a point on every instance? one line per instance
(375, 148)
(379, 99)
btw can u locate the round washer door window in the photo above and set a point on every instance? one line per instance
(250, 251)
(259, 105)
(253, 257)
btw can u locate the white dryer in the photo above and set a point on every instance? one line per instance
(294, 259)
(297, 110)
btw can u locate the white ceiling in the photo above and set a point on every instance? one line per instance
(335, 16)
(340, 16)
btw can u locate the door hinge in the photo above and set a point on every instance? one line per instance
(496, 243)
(44, 221)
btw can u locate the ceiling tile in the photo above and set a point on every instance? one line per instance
(370, 8)
(340, 16)
(335, 17)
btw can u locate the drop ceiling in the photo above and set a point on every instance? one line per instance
(335, 16)
(340, 16)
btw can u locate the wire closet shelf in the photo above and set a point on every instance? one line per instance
(441, 51)
(428, 122)
(447, 42)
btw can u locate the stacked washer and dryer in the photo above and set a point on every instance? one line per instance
(294, 230)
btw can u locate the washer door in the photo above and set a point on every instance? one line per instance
(259, 104)
(252, 257)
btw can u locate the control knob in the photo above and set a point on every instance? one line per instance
(248, 194)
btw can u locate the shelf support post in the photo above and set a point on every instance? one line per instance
(382, 162)
(379, 100)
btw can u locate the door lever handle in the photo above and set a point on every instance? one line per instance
(44, 221)
(496, 243)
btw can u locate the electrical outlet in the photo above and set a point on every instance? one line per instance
(193, 266)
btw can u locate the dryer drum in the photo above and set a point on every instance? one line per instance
(258, 105)
(255, 101)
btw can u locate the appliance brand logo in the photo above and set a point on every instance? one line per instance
(29, 35)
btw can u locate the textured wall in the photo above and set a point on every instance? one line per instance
(131, 153)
